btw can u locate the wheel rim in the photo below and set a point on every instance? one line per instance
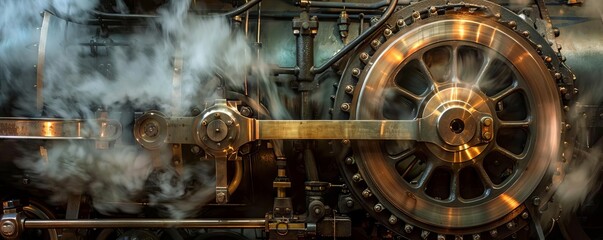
(437, 194)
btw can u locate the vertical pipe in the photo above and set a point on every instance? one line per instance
(305, 28)
(41, 58)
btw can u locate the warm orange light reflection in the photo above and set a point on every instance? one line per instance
(461, 29)
(511, 202)
(416, 46)
(47, 130)
(394, 57)
(479, 31)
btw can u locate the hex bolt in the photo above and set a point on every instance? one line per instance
(349, 203)
(349, 160)
(416, 15)
(349, 89)
(512, 24)
(458, 237)
(387, 32)
(229, 122)
(433, 10)
(525, 215)
(364, 56)
(558, 75)
(345, 141)
(510, 225)
(357, 177)
(367, 193)
(408, 228)
(441, 237)
(246, 111)
(355, 72)
(378, 207)
(487, 135)
(375, 43)
(536, 201)
(476, 237)
(493, 233)
(487, 121)
(204, 123)
(548, 59)
(400, 22)
(221, 197)
(345, 107)
(392, 219)
(424, 234)
(195, 149)
(525, 33)
(8, 228)
(317, 211)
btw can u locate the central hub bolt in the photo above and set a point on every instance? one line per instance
(151, 130)
(457, 126)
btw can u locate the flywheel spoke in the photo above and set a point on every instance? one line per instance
(516, 124)
(505, 93)
(509, 154)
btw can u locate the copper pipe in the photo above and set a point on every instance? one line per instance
(236, 179)
(146, 223)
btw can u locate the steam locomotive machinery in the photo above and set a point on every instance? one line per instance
(444, 119)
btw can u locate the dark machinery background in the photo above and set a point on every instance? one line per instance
(280, 119)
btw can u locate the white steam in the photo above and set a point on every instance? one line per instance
(138, 75)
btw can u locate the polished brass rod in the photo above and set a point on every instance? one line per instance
(327, 129)
(146, 223)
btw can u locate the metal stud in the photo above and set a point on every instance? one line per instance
(525, 215)
(387, 32)
(375, 44)
(408, 228)
(400, 23)
(356, 177)
(349, 160)
(355, 72)
(424, 234)
(416, 16)
(392, 219)
(364, 56)
(493, 233)
(548, 59)
(345, 107)
(512, 24)
(433, 11)
(525, 33)
(349, 89)
(367, 193)
(378, 207)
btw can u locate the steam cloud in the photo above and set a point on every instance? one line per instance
(140, 76)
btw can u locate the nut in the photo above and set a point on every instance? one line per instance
(221, 197)
(8, 228)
